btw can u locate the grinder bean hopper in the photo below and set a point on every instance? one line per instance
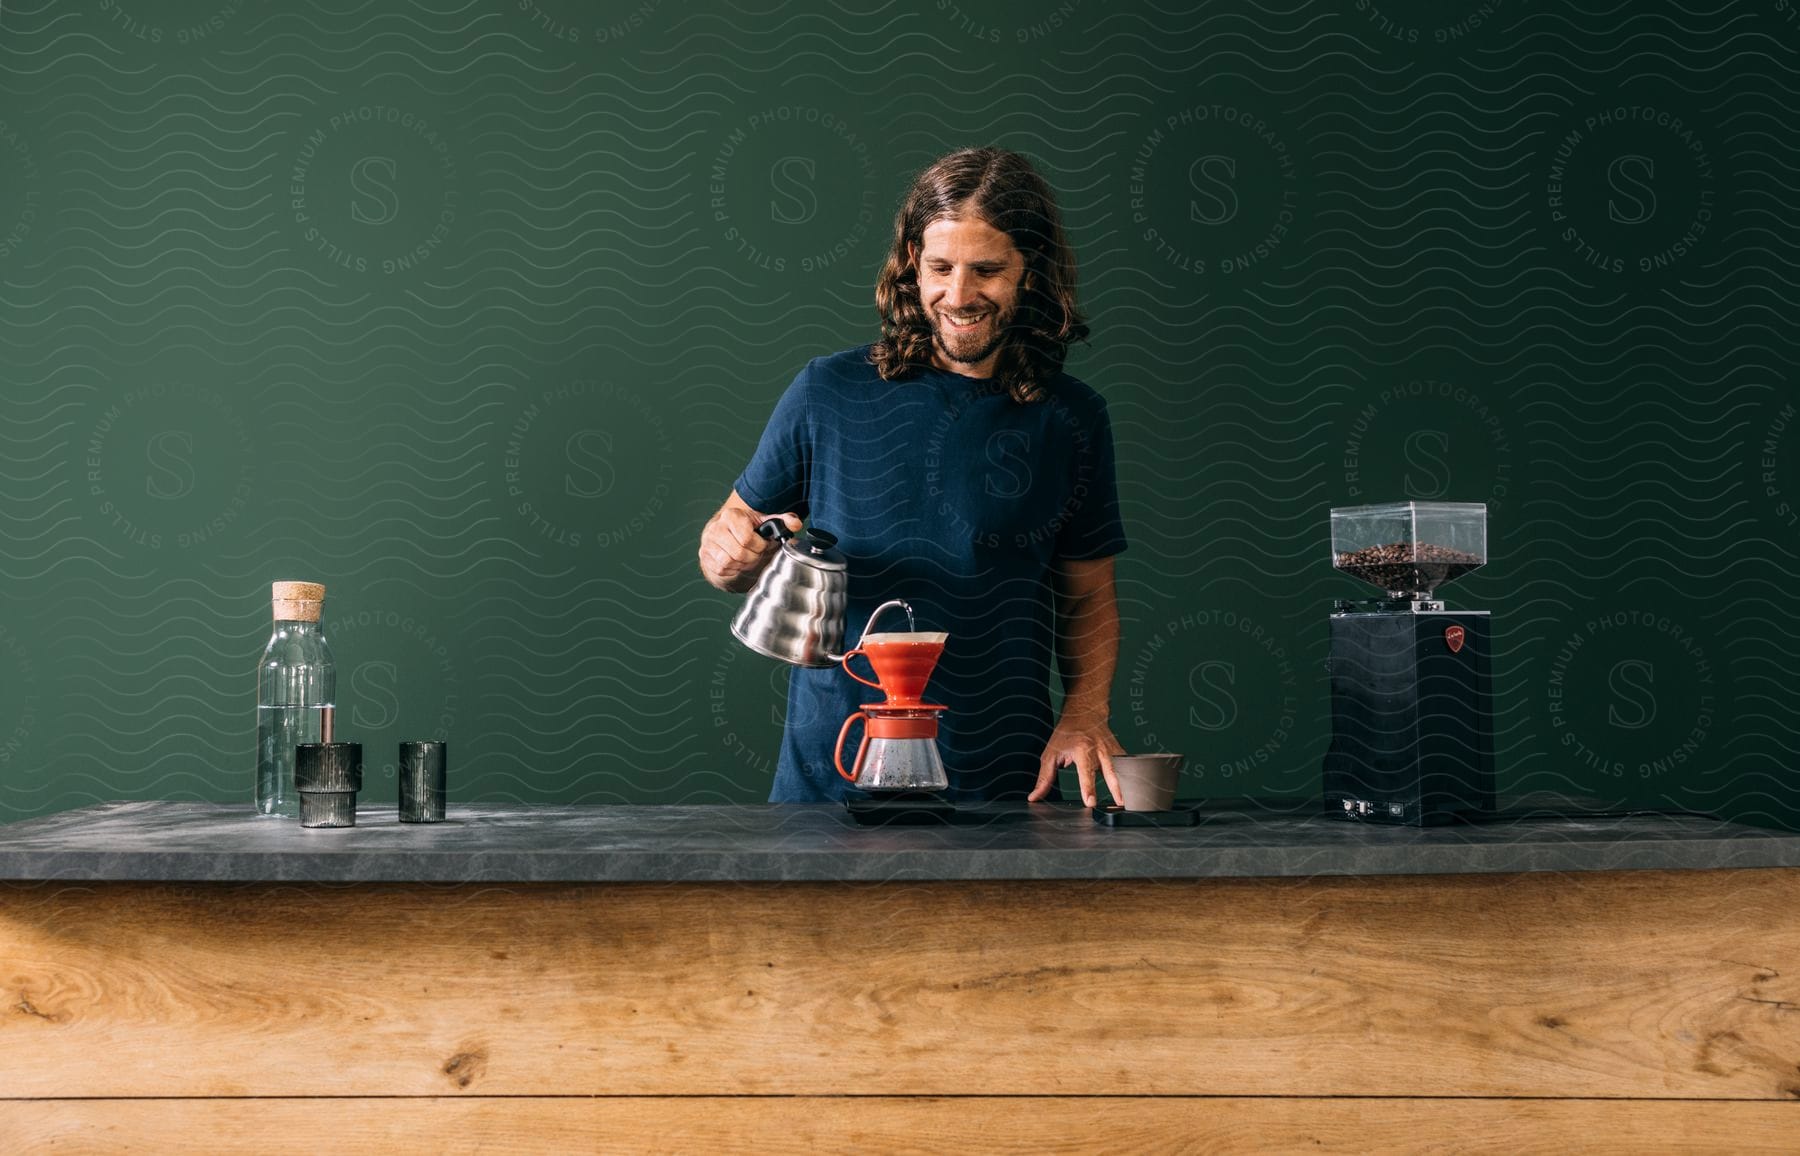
(1412, 719)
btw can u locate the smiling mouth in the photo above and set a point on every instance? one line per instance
(962, 324)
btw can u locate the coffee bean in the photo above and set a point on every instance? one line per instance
(1407, 567)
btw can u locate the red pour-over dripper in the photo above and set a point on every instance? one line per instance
(903, 663)
(903, 660)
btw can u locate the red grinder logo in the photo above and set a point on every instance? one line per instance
(1453, 637)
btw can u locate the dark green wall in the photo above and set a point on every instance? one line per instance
(472, 310)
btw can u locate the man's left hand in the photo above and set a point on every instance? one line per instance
(1087, 742)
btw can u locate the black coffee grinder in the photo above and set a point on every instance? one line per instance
(1412, 719)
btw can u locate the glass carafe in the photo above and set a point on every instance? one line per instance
(898, 752)
(901, 765)
(296, 683)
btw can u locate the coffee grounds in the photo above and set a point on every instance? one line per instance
(1410, 567)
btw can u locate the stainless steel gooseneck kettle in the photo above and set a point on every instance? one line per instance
(795, 612)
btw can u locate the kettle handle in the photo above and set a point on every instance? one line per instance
(775, 530)
(837, 755)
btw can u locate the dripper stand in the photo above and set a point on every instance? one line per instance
(899, 775)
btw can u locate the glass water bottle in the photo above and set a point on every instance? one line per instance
(296, 685)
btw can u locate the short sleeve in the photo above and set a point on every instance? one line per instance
(778, 478)
(1094, 528)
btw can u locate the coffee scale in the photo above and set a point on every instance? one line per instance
(1412, 718)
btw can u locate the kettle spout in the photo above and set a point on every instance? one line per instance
(888, 605)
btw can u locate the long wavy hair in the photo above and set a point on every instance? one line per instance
(1002, 189)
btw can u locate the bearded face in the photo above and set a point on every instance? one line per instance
(969, 278)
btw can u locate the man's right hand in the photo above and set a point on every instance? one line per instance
(732, 553)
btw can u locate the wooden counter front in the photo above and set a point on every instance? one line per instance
(1509, 1012)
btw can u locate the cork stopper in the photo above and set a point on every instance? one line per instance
(298, 601)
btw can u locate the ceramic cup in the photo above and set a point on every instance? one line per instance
(1147, 782)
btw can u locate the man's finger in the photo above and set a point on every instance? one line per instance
(1106, 768)
(1046, 776)
(742, 529)
(1084, 770)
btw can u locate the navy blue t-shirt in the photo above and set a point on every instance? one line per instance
(945, 492)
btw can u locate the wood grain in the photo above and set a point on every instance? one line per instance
(1650, 984)
(1039, 1126)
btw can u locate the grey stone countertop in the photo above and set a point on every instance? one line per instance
(217, 842)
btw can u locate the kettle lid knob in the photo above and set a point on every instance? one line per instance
(811, 545)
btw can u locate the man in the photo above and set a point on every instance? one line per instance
(962, 470)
